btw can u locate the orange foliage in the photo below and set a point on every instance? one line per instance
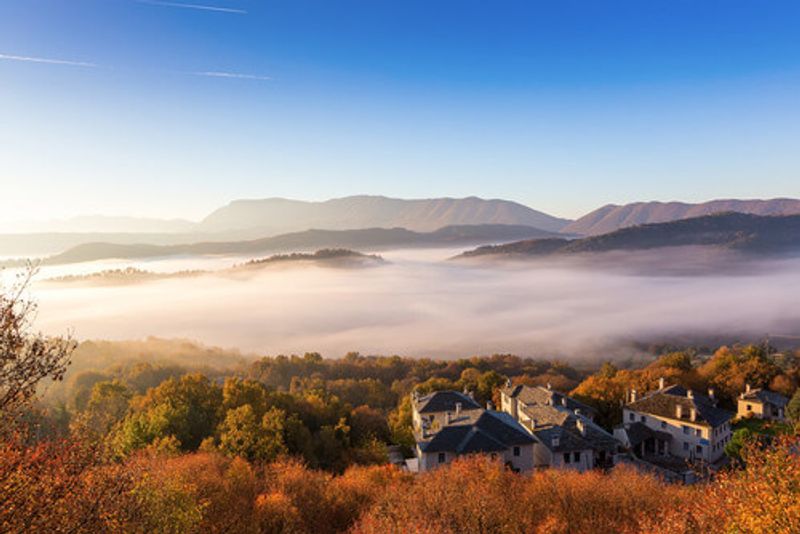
(476, 495)
(60, 487)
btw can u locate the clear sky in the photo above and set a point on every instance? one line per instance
(172, 108)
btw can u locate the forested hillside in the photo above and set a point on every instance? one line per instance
(734, 231)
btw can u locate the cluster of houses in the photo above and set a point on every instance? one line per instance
(670, 430)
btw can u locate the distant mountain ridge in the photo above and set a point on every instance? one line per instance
(363, 239)
(355, 212)
(735, 231)
(255, 219)
(613, 217)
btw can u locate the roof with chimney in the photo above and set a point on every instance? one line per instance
(488, 431)
(664, 403)
(545, 396)
(444, 401)
(765, 396)
(574, 432)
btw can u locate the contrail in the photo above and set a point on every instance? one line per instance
(201, 7)
(49, 61)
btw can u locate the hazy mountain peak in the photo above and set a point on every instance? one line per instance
(613, 217)
(368, 211)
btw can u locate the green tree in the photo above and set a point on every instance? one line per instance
(738, 441)
(242, 434)
(237, 392)
(107, 405)
(487, 384)
(187, 408)
(793, 408)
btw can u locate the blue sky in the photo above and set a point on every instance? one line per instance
(174, 108)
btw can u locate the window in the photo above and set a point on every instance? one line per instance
(663, 424)
(441, 457)
(516, 451)
(632, 417)
(576, 457)
(699, 449)
(698, 432)
(566, 457)
(686, 446)
(749, 407)
(687, 430)
(643, 419)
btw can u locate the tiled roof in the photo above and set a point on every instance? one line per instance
(567, 441)
(664, 402)
(766, 396)
(542, 396)
(445, 401)
(488, 432)
(552, 421)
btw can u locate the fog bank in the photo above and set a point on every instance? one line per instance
(420, 305)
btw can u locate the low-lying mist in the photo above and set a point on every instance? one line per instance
(418, 304)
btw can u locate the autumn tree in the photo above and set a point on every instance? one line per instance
(26, 357)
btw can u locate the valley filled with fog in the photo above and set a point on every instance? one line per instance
(421, 303)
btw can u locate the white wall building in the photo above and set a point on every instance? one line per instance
(698, 430)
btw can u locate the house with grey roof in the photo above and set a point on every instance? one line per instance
(436, 410)
(513, 397)
(761, 403)
(697, 428)
(565, 433)
(448, 424)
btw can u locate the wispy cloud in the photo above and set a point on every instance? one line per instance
(49, 61)
(201, 7)
(235, 75)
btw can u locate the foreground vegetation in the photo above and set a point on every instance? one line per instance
(125, 443)
(60, 487)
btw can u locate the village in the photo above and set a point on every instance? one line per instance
(673, 432)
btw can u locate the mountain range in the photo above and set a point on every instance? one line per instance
(613, 217)
(309, 240)
(742, 232)
(254, 220)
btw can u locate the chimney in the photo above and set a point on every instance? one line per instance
(711, 393)
(508, 382)
(679, 411)
(692, 414)
(581, 426)
(554, 441)
(489, 405)
(549, 386)
(747, 388)
(458, 410)
(564, 402)
(534, 422)
(689, 394)
(634, 395)
(577, 411)
(447, 418)
(661, 383)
